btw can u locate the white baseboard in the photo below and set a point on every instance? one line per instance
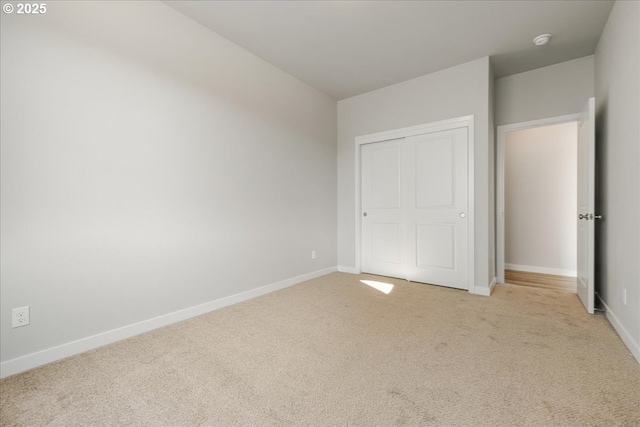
(33, 360)
(493, 285)
(481, 290)
(542, 270)
(350, 270)
(633, 346)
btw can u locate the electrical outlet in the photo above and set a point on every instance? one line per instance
(624, 296)
(20, 317)
(313, 254)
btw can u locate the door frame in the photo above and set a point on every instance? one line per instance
(501, 134)
(455, 123)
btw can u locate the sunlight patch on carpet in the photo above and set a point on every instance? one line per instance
(381, 286)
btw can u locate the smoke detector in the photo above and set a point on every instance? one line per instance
(542, 39)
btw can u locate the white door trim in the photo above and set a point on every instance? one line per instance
(501, 137)
(458, 122)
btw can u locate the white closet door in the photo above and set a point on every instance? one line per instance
(414, 207)
(383, 236)
(436, 205)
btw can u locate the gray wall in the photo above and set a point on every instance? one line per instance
(149, 165)
(617, 82)
(556, 90)
(454, 92)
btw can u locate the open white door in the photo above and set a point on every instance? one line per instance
(586, 205)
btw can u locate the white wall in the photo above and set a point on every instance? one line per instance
(540, 199)
(556, 90)
(149, 165)
(617, 81)
(454, 92)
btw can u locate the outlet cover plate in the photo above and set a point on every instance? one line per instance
(20, 317)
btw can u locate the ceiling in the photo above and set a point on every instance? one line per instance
(345, 48)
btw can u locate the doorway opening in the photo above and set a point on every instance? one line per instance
(537, 203)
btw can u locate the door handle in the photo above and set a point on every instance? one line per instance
(364, 214)
(589, 216)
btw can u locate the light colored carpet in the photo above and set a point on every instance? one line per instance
(334, 351)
